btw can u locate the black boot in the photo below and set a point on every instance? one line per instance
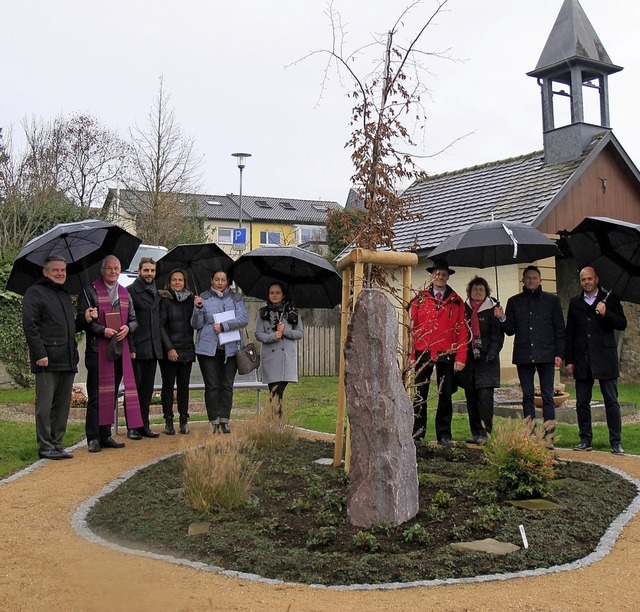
(168, 427)
(183, 425)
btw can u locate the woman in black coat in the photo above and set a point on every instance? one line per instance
(176, 309)
(481, 374)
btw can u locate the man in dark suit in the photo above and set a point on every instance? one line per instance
(146, 343)
(591, 352)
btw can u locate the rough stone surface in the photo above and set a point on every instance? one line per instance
(383, 483)
(196, 529)
(495, 547)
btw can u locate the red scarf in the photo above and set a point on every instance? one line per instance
(475, 323)
(107, 392)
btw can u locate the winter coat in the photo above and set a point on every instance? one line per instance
(279, 358)
(202, 321)
(439, 328)
(146, 343)
(175, 325)
(49, 327)
(485, 371)
(89, 299)
(591, 338)
(535, 317)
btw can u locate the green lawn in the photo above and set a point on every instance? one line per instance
(313, 403)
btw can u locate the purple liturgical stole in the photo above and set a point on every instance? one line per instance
(107, 393)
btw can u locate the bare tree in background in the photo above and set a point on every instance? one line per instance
(165, 168)
(388, 110)
(92, 156)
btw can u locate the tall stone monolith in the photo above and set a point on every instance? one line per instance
(383, 483)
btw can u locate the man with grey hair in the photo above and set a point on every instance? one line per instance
(49, 328)
(106, 313)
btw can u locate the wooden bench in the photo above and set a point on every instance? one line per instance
(241, 381)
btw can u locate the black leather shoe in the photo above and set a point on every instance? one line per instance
(583, 446)
(472, 440)
(617, 449)
(50, 454)
(111, 443)
(445, 442)
(145, 432)
(183, 427)
(134, 434)
(224, 428)
(94, 446)
(169, 429)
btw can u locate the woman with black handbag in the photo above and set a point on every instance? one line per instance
(279, 328)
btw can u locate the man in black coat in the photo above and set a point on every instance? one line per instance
(535, 318)
(592, 353)
(146, 342)
(49, 328)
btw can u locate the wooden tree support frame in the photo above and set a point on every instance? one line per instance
(352, 268)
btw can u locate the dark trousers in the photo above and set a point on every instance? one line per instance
(545, 374)
(175, 373)
(480, 410)
(53, 398)
(276, 389)
(218, 374)
(444, 412)
(144, 371)
(609, 388)
(94, 431)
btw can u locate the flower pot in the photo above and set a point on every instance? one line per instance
(558, 400)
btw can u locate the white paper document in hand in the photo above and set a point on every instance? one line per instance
(226, 336)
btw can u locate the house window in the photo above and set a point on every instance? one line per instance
(311, 234)
(269, 238)
(225, 235)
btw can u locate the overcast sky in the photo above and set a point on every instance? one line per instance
(223, 64)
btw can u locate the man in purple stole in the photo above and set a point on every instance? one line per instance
(104, 372)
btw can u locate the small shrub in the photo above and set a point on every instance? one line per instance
(519, 463)
(320, 536)
(442, 499)
(366, 541)
(299, 505)
(219, 474)
(416, 534)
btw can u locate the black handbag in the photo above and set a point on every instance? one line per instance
(247, 358)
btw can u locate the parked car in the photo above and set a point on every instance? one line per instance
(144, 250)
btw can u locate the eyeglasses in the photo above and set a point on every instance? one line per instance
(110, 269)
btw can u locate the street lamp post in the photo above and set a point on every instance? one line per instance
(240, 158)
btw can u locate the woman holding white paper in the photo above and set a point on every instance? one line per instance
(216, 312)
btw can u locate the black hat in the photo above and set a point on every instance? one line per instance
(440, 264)
(114, 348)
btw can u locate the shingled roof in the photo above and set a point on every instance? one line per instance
(254, 208)
(520, 189)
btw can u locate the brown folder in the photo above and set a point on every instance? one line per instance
(112, 320)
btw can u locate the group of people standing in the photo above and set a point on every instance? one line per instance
(128, 332)
(462, 340)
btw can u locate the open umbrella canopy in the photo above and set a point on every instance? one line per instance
(612, 248)
(83, 244)
(198, 260)
(495, 243)
(310, 280)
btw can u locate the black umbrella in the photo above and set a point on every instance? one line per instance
(310, 280)
(612, 248)
(495, 243)
(198, 260)
(83, 244)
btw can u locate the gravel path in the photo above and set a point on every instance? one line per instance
(46, 565)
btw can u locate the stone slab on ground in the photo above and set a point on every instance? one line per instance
(488, 545)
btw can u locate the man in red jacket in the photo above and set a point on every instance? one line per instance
(440, 338)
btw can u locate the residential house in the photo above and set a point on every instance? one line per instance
(268, 220)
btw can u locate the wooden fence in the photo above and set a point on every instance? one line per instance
(318, 352)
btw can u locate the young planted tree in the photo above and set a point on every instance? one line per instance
(165, 169)
(387, 112)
